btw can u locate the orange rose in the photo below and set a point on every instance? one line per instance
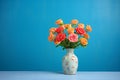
(70, 30)
(74, 21)
(52, 30)
(83, 41)
(59, 21)
(81, 25)
(51, 37)
(56, 42)
(67, 26)
(88, 28)
(86, 36)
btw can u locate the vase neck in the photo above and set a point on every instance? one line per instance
(70, 51)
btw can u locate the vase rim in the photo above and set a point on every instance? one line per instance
(69, 48)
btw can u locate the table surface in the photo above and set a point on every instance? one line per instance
(44, 75)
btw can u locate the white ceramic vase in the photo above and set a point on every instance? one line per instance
(70, 62)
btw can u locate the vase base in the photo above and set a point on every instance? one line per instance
(69, 73)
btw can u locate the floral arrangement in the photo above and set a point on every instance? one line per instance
(70, 35)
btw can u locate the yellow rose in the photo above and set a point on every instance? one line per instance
(81, 25)
(70, 30)
(67, 26)
(52, 30)
(74, 21)
(86, 36)
(83, 41)
(51, 37)
(59, 21)
(88, 28)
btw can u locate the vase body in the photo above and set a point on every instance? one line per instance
(70, 62)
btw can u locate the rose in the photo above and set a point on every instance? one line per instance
(88, 28)
(52, 30)
(67, 26)
(73, 37)
(86, 36)
(59, 21)
(56, 42)
(59, 29)
(80, 31)
(74, 21)
(81, 25)
(51, 37)
(83, 41)
(60, 37)
(70, 30)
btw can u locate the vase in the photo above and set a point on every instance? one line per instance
(70, 62)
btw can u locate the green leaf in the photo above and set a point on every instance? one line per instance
(74, 25)
(57, 45)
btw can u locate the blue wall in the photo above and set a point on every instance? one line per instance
(24, 26)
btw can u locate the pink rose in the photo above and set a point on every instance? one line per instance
(73, 37)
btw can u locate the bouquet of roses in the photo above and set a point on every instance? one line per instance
(70, 35)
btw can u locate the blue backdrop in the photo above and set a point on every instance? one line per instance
(24, 30)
